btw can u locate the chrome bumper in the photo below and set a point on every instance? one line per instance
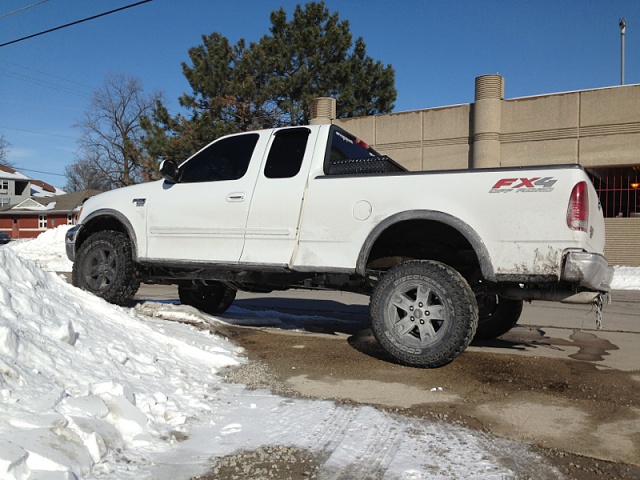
(70, 242)
(588, 270)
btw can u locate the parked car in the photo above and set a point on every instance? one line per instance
(4, 238)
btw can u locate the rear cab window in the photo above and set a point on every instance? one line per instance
(347, 154)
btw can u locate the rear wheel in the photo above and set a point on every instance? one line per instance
(498, 315)
(423, 313)
(104, 266)
(212, 299)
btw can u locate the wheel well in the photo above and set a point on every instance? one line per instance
(99, 224)
(423, 239)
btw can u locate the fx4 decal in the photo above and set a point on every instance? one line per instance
(524, 185)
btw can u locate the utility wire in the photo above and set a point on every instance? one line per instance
(44, 83)
(24, 8)
(74, 23)
(38, 133)
(45, 73)
(38, 171)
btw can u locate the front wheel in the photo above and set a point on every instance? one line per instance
(104, 266)
(423, 313)
(212, 299)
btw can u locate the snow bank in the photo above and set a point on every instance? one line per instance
(47, 250)
(82, 380)
(626, 278)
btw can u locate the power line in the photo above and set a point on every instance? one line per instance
(45, 73)
(38, 133)
(74, 23)
(38, 171)
(24, 8)
(44, 83)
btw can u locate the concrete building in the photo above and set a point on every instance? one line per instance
(598, 129)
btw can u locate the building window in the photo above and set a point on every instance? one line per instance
(4, 202)
(42, 222)
(71, 219)
(618, 190)
(4, 185)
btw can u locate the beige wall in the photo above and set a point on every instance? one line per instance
(433, 139)
(594, 128)
(590, 127)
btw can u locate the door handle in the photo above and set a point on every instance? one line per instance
(236, 197)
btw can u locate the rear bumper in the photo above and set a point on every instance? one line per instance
(588, 270)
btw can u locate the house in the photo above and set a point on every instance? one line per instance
(34, 215)
(14, 186)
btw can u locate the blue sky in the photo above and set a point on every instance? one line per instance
(437, 48)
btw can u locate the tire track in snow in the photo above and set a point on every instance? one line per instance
(332, 430)
(378, 450)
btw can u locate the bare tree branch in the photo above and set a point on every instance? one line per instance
(110, 153)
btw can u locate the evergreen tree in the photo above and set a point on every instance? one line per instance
(272, 82)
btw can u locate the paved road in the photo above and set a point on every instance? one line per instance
(546, 329)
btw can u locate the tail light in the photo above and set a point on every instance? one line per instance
(578, 209)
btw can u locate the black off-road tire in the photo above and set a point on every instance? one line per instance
(423, 313)
(104, 266)
(497, 315)
(212, 299)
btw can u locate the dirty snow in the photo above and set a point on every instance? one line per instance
(91, 390)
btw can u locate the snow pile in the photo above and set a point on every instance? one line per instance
(626, 278)
(82, 380)
(47, 250)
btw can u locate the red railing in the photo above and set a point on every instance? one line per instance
(618, 190)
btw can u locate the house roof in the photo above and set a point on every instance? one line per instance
(10, 174)
(66, 203)
(38, 187)
(43, 189)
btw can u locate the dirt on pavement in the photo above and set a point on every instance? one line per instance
(569, 391)
(585, 419)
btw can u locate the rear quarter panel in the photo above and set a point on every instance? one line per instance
(522, 225)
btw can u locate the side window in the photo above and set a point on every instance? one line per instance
(286, 154)
(226, 159)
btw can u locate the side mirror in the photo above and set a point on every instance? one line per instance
(169, 171)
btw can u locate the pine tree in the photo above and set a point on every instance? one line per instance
(272, 82)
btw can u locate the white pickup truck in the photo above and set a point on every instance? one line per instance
(446, 256)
